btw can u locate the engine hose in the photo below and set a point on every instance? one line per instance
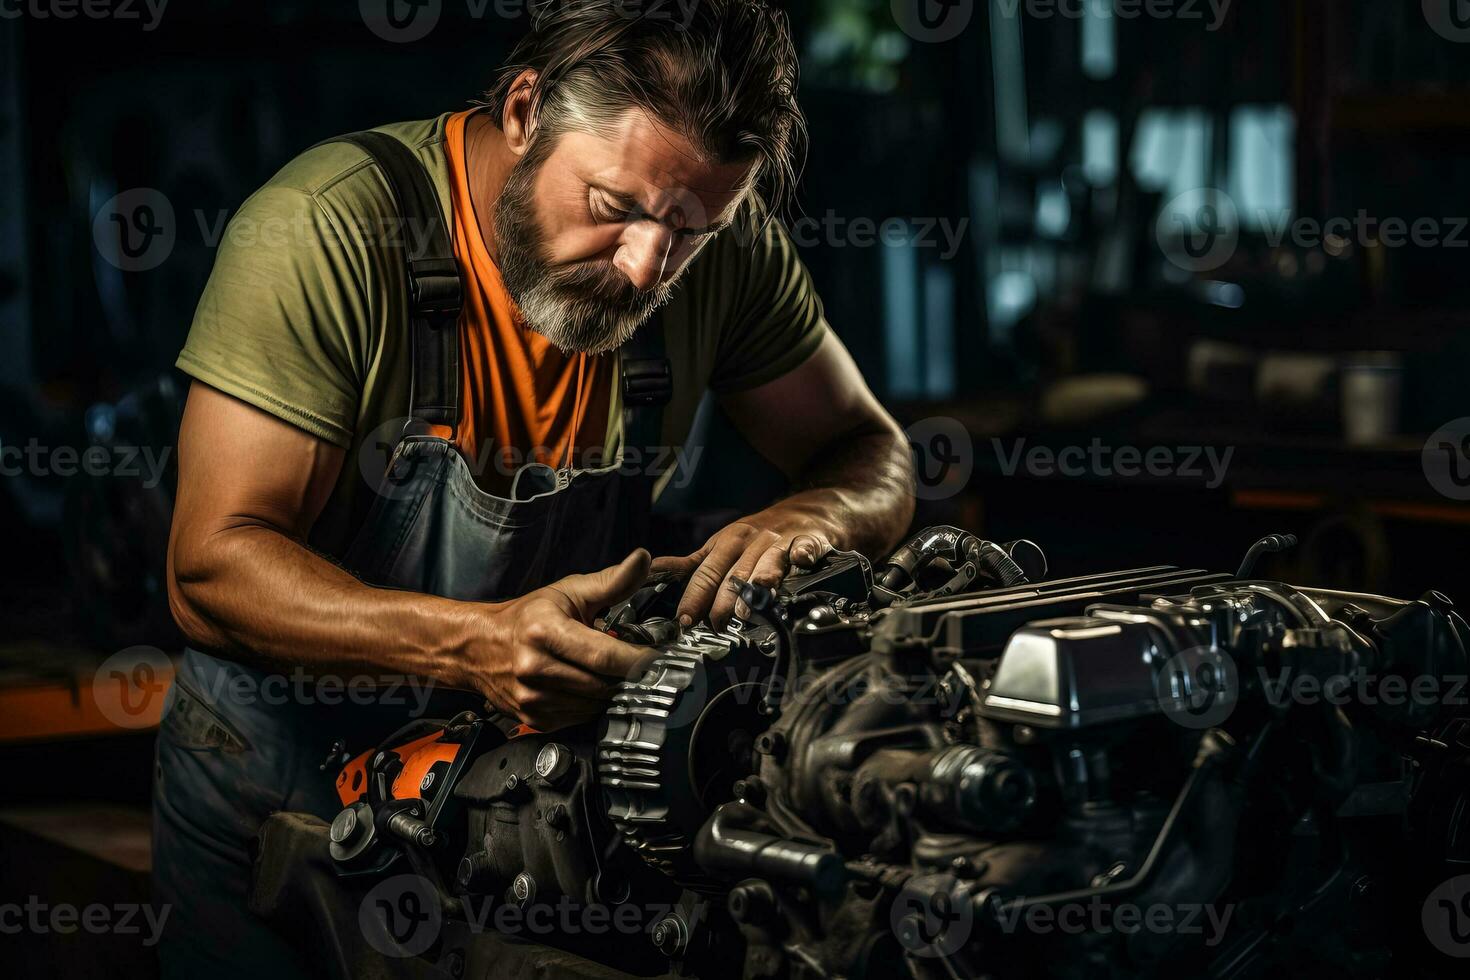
(728, 844)
(764, 609)
(1271, 543)
(1001, 567)
(1216, 749)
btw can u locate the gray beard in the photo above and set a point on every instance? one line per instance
(590, 310)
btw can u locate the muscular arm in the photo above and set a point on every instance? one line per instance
(243, 583)
(848, 460)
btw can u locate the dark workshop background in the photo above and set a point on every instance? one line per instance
(1097, 234)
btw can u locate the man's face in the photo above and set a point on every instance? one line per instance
(593, 234)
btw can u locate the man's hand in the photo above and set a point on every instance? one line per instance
(538, 657)
(760, 549)
(243, 584)
(851, 466)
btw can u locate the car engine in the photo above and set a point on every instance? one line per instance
(947, 765)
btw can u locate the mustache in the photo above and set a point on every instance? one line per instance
(601, 282)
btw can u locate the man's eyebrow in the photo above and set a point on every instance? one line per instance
(627, 202)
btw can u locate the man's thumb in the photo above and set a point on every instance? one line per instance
(611, 585)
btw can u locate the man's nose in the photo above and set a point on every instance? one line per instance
(646, 254)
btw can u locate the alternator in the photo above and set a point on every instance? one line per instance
(675, 739)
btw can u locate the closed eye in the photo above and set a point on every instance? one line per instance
(605, 210)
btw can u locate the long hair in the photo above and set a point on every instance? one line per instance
(721, 72)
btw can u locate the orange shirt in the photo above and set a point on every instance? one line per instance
(521, 399)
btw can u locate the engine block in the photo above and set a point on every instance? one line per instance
(953, 766)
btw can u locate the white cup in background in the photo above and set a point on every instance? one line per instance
(1372, 386)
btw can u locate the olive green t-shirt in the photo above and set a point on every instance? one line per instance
(304, 312)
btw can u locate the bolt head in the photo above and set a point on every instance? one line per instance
(553, 762)
(668, 936)
(344, 826)
(911, 931)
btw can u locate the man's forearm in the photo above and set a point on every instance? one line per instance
(252, 593)
(860, 491)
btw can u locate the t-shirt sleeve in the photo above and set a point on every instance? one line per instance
(282, 319)
(774, 320)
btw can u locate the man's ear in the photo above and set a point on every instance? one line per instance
(517, 123)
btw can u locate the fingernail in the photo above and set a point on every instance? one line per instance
(686, 620)
(741, 609)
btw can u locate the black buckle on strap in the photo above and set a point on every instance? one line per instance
(434, 285)
(647, 381)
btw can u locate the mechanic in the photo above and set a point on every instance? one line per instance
(608, 206)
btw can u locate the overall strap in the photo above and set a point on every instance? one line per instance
(435, 294)
(648, 384)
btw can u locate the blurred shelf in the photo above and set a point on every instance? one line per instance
(49, 693)
(105, 832)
